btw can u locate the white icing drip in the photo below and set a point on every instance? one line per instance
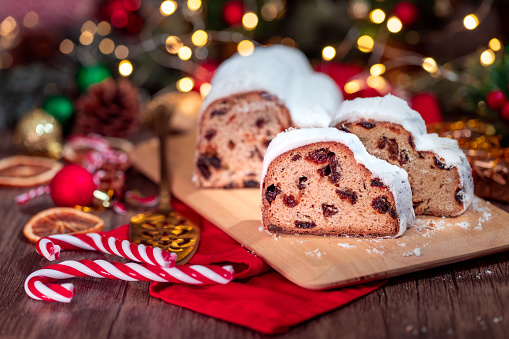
(395, 110)
(388, 108)
(312, 98)
(392, 176)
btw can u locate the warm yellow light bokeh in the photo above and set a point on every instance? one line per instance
(199, 38)
(185, 53)
(394, 25)
(377, 70)
(245, 47)
(194, 5)
(185, 84)
(365, 43)
(495, 44)
(205, 89)
(487, 57)
(168, 7)
(429, 65)
(86, 38)
(352, 86)
(470, 22)
(125, 68)
(106, 46)
(66, 46)
(250, 21)
(173, 44)
(377, 16)
(328, 53)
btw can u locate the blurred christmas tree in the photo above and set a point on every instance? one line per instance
(451, 48)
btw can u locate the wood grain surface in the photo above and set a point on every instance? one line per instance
(317, 262)
(462, 300)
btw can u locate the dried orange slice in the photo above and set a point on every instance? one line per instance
(26, 171)
(61, 220)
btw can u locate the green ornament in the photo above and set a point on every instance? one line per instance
(60, 107)
(90, 75)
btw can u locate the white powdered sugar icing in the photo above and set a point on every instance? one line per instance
(311, 97)
(392, 176)
(395, 110)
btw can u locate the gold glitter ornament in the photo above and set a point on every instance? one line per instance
(39, 133)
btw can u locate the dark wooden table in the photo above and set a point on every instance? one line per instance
(464, 300)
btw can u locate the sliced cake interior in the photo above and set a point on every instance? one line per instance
(233, 135)
(322, 181)
(438, 171)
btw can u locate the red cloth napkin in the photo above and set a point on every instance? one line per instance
(259, 297)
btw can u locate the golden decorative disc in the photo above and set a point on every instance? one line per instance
(167, 231)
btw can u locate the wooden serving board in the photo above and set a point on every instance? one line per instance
(317, 262)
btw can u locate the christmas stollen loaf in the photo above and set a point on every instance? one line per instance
(439, 173)
(323, 181)
(253, 98)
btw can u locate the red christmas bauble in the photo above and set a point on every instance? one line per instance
(504, 112)
(233, 11)
(72, 185)
(407, 12)
(495, 99)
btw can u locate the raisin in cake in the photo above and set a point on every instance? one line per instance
(323, 181)
(254, 98)
(439, 173)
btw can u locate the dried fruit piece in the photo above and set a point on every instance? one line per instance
(381, 204)
(260, 122)
(290, 200)
(210, 134)
(26, 171)
(304, 224)
(271, 192)
(296, 157)
(319, 156)
(347, 194)
(300, 185)
(366, 124)
(458, 195)
(329, 210)
(218, 112)
(61, 220)
(251, 183)
(377, 183)
(440, 164)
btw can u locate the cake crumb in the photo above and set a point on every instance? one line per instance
(489, 272)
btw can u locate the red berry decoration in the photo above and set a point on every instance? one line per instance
(495, 99)
(233, 12)
(72, 186)
(504, 112)
(407, 12)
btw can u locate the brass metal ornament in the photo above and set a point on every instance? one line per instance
(165, 228)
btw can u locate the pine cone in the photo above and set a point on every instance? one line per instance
(110, 108)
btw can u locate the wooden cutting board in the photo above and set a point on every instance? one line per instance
(317, 262)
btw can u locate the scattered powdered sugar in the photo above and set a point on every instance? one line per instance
(417, 252)
(316, 253)
(463, 224)
(402, 244)
(374, 250)
(488, 271)
(345, 245)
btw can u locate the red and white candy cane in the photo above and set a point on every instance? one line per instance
(37, 284)
(35, 192)
(49, 247)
